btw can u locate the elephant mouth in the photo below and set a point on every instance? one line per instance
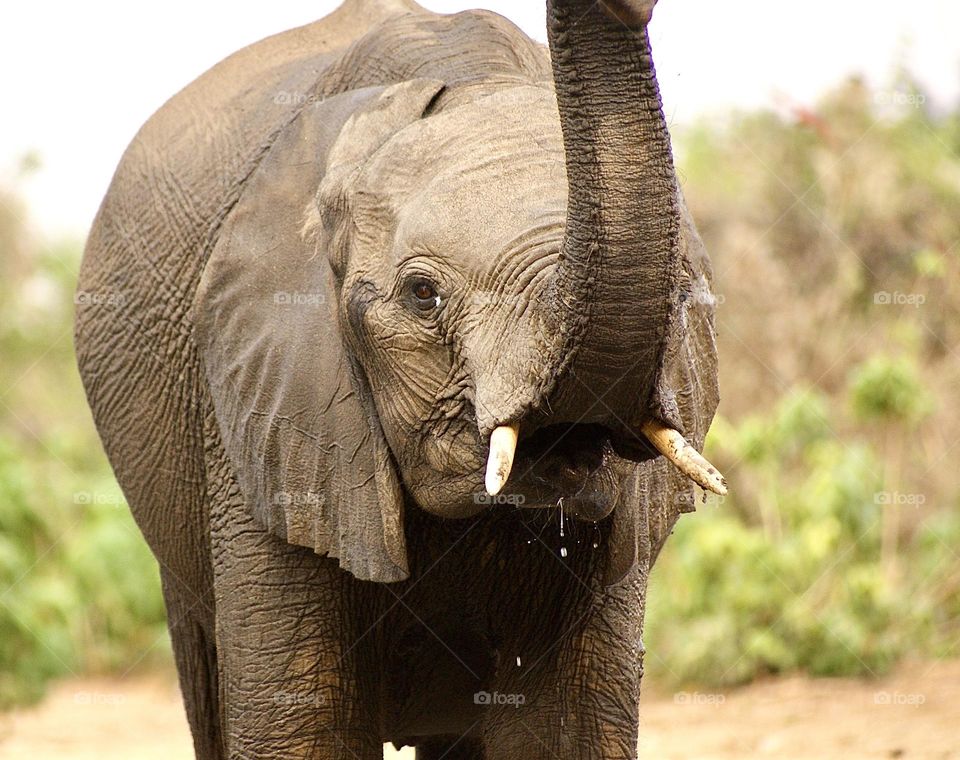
(570, 452)
(582, 466)
(572, 466)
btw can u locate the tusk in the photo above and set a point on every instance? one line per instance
(503, 445)
(686, 458)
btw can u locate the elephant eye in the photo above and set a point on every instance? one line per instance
(424, 294)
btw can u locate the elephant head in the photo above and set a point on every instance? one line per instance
(482, 298)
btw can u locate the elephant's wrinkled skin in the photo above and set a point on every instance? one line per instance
(340, 259)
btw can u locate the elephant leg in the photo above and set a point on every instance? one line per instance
(288, 652)
(578, 701)
(190, 621)
(450, 749)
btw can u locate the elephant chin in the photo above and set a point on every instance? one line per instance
(596, 497)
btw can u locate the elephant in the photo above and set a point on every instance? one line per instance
(405, 380)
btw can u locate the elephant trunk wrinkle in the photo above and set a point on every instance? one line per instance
(609, 306)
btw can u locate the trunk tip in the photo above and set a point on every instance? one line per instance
(632, 13)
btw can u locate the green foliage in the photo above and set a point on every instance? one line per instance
(888, 389)
(79, 590)
(733, 597)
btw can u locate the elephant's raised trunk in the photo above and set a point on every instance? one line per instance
(608, 310)
(611, 299)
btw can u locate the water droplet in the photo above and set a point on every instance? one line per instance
(518, 661)
(563, 551)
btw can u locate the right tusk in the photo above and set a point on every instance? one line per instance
(687, 459)
(503, 445)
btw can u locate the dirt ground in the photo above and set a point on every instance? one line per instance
(914, 713)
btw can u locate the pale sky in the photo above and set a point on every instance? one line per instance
(79, 78)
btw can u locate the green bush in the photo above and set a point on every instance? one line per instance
(737, 594)
(79, 590)
(888, 389)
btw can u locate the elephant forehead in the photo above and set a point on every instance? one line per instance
(509, 135)
(484, 208)
(490, 172)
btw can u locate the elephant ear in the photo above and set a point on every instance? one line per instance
(294, 409)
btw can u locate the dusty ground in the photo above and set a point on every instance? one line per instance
(912, 714)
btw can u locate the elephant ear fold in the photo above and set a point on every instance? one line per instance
(293, 409)
(368, 128)
(363, 133)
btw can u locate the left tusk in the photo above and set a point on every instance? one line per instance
(503, 445)
(687, 459)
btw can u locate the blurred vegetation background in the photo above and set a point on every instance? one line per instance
(835, 237)
(79, 590)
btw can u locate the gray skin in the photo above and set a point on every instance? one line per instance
(301, 429)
